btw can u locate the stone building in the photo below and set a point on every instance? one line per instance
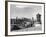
(39, 18)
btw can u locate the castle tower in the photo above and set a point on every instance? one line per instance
(38, 18)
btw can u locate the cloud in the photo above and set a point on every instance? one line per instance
(21, 6)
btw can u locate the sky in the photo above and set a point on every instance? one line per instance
(27, 11)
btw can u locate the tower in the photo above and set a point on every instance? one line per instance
(38, 18)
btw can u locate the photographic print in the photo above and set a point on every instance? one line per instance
(25, 18)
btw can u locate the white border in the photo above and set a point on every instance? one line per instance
(31, 32)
